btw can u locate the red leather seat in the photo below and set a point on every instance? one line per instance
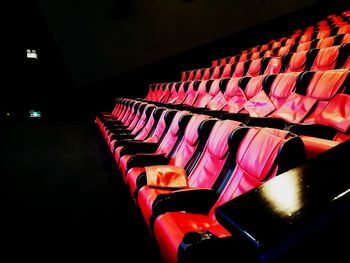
(327, 58)
(184, 154)
(143, 128)
(321, 87)
(226, 71)
(168, 142)
(206, 170)
(250, 168)
(294, 62)
(152, 132)
(128, 117)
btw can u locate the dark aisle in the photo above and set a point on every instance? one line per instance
(63, 198)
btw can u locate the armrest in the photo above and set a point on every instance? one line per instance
(196, 110)
(314, 130)
(116, 127)
(241, 117)
(214, 113)
(181, 107)
(141, 180)
(122, 136)
(197, 200)
(198, 246)
(134, 147)
(111, 130)
(111, 123)
(142, 160)
(267, 122)
(117, 131)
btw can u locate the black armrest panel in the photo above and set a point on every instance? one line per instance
(241, 117)
(142, 160)
(122, 136)
(267, 122)
(314, 130)
(214, 113)
(134, 147)
(190, 200)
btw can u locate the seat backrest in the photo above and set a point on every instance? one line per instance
(294, 62)
(151, 124)
(181, 94)
(184, 76)
(314, 90)
(173, 91)
(203, 97)
(243, 57)
(336, 114)
(150, 93)
(143, 122)
(321, 34)
(192, 144)
(223, 61)
(166, 92)
(346, 38)
(206, 73)
(129, 116)
(326, 58)
(254, 85)
(138, 115)
(282, 86)
(278, 152)
(174, 133)
(325, 42)
(254, 67)
(271, 65)
(323, 87)
(232, 60)
(198, 74)
(305, 46)
(238, 69)
(213, 158)
(192, 93)
(161, 126)
(226, 71)
(216, 72)
(344, 29)
(279, 52)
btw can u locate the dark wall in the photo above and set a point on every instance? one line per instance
(100, 39)
(40, 84)
(80, 54)
(135, 82)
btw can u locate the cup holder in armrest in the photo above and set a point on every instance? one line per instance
(195, 244)
(191, 238)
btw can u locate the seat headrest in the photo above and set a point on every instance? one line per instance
(324, 85)
(337, 113)
(258, 151)
(326, 57)
(218, 139)
(191, 132)
(254, 85)
(174, 127)
(283, 85)
(298, 61)
(232, 87)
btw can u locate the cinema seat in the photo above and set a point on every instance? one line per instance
(278, 151)
(184, 155)
(206, 169)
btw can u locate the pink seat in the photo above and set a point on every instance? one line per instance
(249, 169)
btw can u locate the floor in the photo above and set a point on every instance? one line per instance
(63, 197)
